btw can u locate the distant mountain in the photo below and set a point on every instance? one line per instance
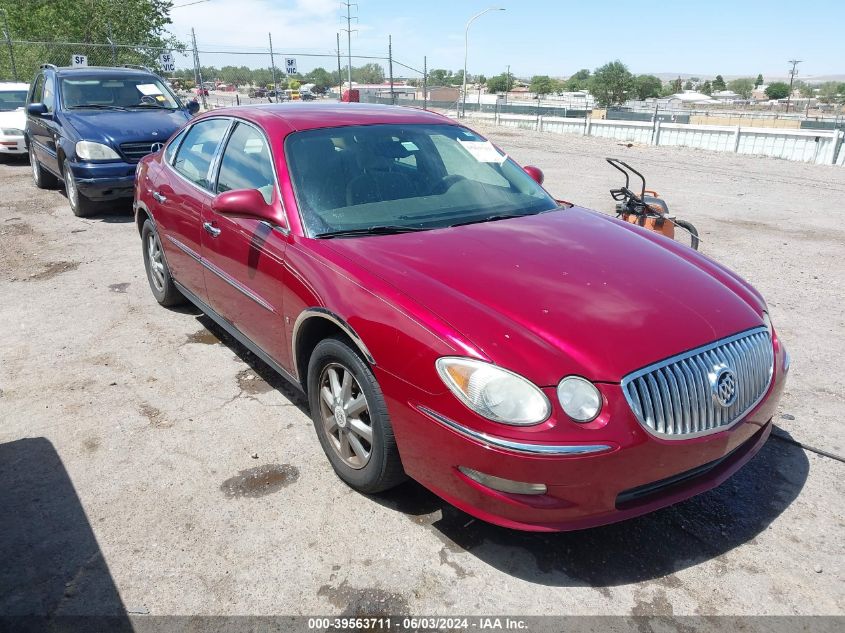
(813, 79)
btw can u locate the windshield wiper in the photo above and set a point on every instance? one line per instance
(96, 106)
(492, 218)
(385, 229)
(151, 105)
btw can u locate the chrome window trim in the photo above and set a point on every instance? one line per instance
(331, 316)
(692, 356)
(514, 446)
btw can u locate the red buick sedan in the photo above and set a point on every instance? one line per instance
(536, 364)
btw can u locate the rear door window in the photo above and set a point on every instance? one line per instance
(195, 154)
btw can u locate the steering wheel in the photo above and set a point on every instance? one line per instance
(447, 182)
(148, 99)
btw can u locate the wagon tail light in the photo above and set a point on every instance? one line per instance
(493, 392)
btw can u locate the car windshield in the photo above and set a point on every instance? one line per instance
(405, 177)
(12, 99)
(116, 92)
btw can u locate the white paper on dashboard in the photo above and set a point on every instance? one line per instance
(483, 151)
(149, 89)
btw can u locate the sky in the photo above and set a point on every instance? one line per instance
(534, 37)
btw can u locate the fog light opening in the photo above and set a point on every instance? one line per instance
(503, 485)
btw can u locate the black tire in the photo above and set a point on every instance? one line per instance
(161, 283)
(42, 178)
(684, 237)
(383, 469)
(81, 206)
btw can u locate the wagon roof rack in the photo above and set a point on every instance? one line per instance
(136, 67)
(53, 66)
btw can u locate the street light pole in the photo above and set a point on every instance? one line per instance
(466, 49)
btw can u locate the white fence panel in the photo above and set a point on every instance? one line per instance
(807, 147)
(717, 139)
(629, 131)
(561, 125)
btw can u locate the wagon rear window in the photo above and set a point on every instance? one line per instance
(415, 176)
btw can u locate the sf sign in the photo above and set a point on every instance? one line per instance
(290, 65)
(78, 60)
(167, 63)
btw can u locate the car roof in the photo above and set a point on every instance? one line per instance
(309, 116)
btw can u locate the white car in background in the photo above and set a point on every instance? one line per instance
(12, 117)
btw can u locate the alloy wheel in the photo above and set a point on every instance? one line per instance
(155, 260)
(346, 415)
(71, 189)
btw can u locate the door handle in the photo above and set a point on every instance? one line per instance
(213, 231)
(159, 197)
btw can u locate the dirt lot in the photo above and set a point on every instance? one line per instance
(148, 464)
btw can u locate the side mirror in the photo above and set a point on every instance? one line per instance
(535, 172)
(193, 107)
(249, 204)
(36, 109)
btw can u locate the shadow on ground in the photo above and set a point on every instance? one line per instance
(650, 547)
(52, 566)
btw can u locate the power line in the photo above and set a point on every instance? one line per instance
(188, 4)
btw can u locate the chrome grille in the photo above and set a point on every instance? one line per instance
(136, 151)
(678, 398)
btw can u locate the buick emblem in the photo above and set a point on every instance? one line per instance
(725, 387)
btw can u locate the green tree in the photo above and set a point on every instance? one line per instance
(368, 74)
(141, 23)
(706, 88)
(832, 92)
(719, 84)
(777, 90)
(759, 81)
(480, 79)
(688, 85)
(542, 85)
(438, 77)
(499, 83)
(676, 85)
(577, 82)
(743, 87)
(321, 78)
(611, 84)
(647, 86)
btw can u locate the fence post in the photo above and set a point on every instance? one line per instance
(588, 125)
(837, 140)
(736, 140)
(113, 49)
(539, 122)
(496, 118)
(655, 135)
(8, 35)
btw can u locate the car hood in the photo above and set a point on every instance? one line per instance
(116, 127)
(564, 292)
(15, 119)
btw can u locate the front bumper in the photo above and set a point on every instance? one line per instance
(12, 145)
(602, 472)
(104, 181)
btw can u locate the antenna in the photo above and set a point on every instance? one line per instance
(349, 30)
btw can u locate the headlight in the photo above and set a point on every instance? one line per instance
(495, 393)
(767, 321)
(579, 398)
(88, 150)
(10, 131)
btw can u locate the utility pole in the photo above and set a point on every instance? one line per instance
(349, 30)
(273, 69)
(339, 73)
(508, 84)
(110, 40)
(390, 66)
(198, 70)
(425, 83)
(794, 63)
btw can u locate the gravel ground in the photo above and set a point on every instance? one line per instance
(149, 464)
